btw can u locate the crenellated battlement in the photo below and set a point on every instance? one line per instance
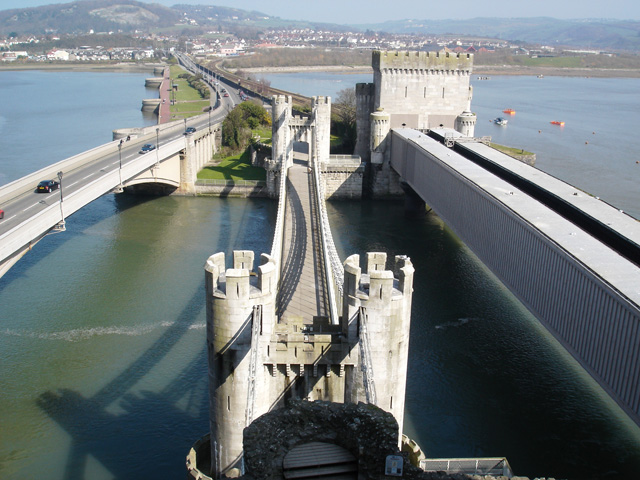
(281, 99)
(421, 61)
(378, 286)
(240, 282)
(320, 100)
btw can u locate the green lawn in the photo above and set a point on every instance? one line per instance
(190, 107)
(509, 150)
(265, 134)
(237, 167)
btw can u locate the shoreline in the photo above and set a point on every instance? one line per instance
(82, 67)
(483, 70)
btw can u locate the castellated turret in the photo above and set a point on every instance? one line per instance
(382, 299)
(236, 302)
(321, 111)
(380, 126)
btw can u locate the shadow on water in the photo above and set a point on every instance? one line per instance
(131, 442)
(101, 209)
(148, 434)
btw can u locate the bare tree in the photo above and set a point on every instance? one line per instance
(344, 125)
(345, 106)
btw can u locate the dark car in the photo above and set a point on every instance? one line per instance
(189, 130)
(47, 186)
(147, 147)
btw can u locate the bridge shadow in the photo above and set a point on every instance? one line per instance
(148, 424)
(144, 434)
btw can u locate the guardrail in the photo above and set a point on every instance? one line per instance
(333, 266)
(469, 466)
(276, 245)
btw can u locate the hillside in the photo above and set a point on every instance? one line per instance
(126, 16)
(584, 33)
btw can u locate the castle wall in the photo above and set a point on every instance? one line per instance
(343, 177)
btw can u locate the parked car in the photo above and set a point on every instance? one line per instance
(147, 147)
(1, 214)
(46, 186)
(189, 130)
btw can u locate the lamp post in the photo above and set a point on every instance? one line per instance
(120, 162)
(61, 200)
(157, 147)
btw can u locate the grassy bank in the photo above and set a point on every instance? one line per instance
(235, 167)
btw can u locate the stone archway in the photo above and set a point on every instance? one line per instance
(360, 431)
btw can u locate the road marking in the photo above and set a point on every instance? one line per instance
(12, 216)
(72, 184)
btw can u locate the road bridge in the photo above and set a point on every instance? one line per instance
(112, 167)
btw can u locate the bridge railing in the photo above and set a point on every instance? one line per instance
(276, 245)
(333, 266)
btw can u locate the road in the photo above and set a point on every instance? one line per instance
(22, 207)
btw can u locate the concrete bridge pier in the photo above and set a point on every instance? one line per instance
(198, 151)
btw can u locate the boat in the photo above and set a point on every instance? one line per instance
(510, 111)
(556, 122)
(500, 121)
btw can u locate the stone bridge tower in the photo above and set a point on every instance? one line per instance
(257, 362)
(418, 90)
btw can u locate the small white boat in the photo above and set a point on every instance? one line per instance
(500, 121)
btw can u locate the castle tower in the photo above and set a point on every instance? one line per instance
(422, 89)
(382, 300)
(282, 145)
(364, 107)
(238, 306)
(466, 123)
(321, 112)
(380, 126)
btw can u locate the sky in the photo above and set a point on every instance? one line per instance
(378, 11)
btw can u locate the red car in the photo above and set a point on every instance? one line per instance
(1, 214)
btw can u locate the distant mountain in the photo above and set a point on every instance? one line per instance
(80, 17)
(126, 16)
(585, 33)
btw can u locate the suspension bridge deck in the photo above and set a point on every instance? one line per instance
(303, 290)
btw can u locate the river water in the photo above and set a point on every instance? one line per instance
(102, 328)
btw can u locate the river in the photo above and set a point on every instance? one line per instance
(102, 335)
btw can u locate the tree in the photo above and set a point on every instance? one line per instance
(345, 105)
(344, 119)
(235, 131)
